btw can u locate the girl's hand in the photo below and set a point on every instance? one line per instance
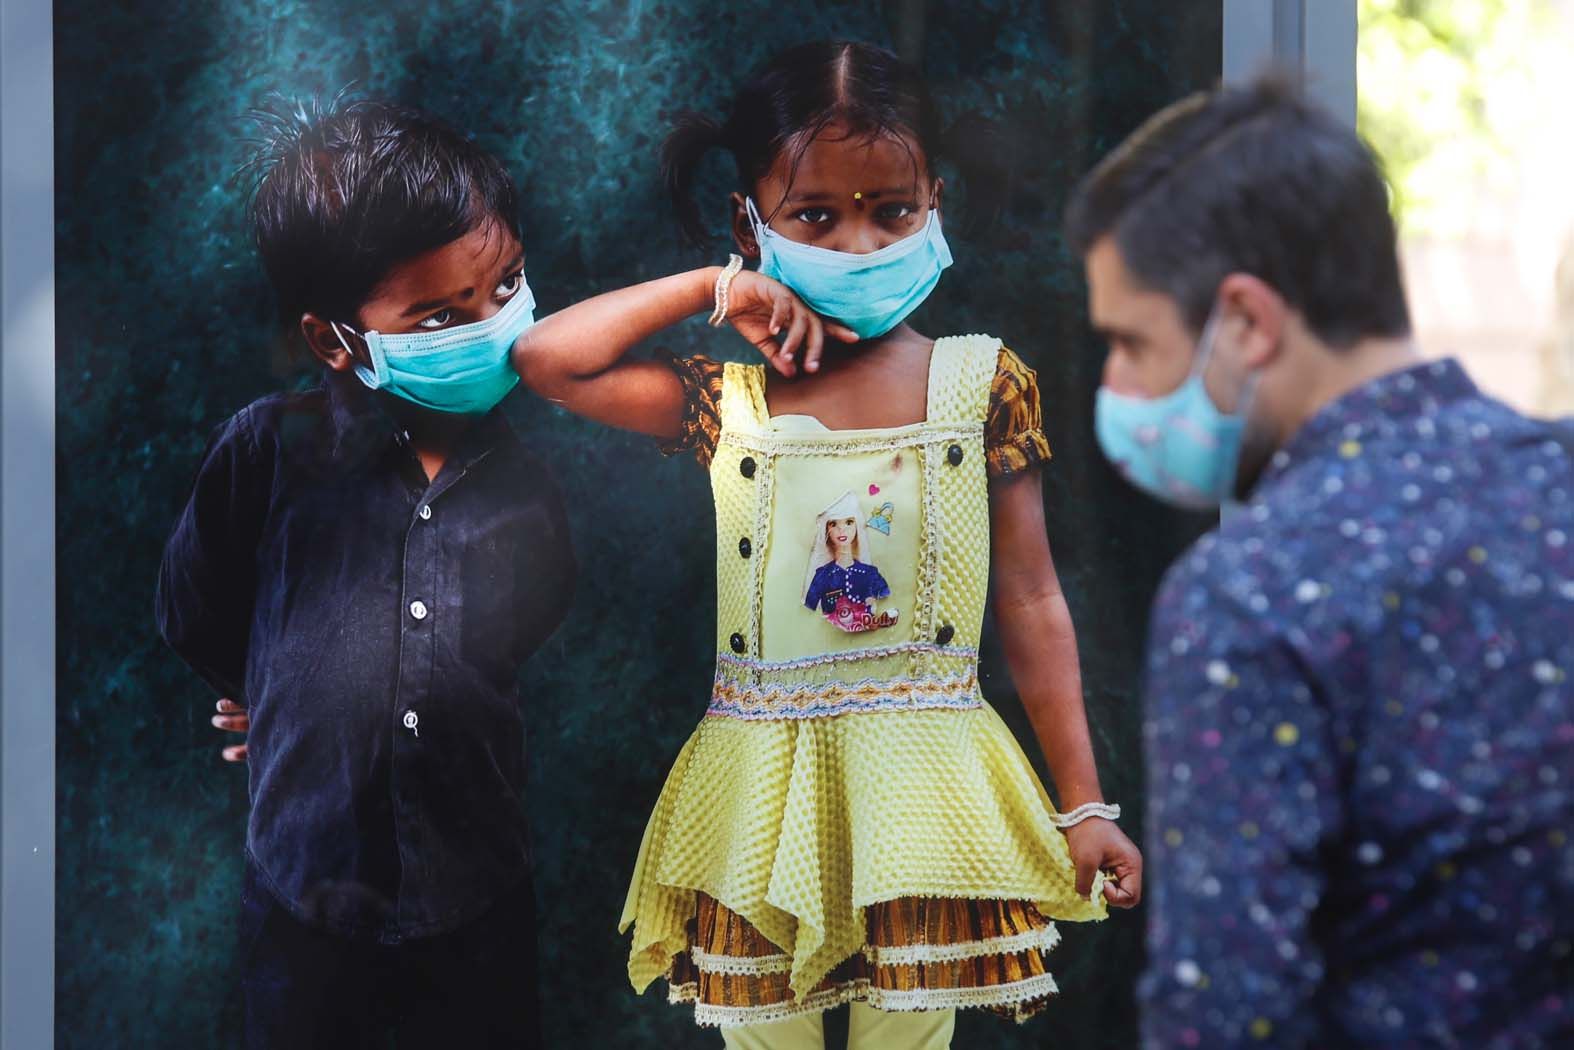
(232, 718)
(762, 309)
(1098, 845)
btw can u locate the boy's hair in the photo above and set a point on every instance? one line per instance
(791, 99)
(343, 192)
(1251, 179)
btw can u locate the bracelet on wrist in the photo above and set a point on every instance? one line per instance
(723, 285)
(1086, 811)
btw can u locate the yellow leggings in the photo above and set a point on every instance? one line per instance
(868, 1029)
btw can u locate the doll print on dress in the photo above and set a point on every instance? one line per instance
(839, 584)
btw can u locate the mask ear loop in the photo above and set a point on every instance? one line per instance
(754, 218)
(370, 366)
(1206, 343)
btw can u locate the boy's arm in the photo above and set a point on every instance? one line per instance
(575, 357)
(1041, 649)
(207, 579)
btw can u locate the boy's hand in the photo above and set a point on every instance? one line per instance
(1098, 845)
(762, 309)
(232, 718)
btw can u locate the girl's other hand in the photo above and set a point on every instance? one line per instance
(232, 718)
(762, 310)
(1098, 845)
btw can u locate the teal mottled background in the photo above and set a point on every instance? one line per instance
(165, 327)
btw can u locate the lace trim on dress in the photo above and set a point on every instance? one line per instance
(909, 954)
(731, 698)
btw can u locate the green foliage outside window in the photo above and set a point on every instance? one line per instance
(1441, 84)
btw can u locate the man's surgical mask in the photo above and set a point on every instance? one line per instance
(466, 369)
(1180, 447)
(870, 293)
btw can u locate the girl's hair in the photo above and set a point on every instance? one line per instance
(820, 552)
(866, 89)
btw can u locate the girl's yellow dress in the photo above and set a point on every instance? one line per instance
(851, 820)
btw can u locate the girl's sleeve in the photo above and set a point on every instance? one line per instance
(1014, 431)
(701, 379)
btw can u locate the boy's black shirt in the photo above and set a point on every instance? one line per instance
(375, 626)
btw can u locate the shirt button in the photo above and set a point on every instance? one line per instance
(426, 512)
(411, 720)
(945, 634)
(953, 455)
(418, 609)
(746, 466)
(745, 548)
(737, 642)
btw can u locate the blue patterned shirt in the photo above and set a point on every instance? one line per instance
(1360, 739)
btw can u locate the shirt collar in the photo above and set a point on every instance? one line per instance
(361, 427)
(1381, 407)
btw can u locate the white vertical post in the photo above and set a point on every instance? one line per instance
(27, 527)
(1315, 38)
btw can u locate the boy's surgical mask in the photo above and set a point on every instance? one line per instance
(1180, 447)
(870, 293)
(465, 369)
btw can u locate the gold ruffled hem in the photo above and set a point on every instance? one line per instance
(922, 953)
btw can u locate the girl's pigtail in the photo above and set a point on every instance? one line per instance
(693, 136)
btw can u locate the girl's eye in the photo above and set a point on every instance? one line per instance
(896, 211)
(440, 319)
(510, 285)
(814, 216)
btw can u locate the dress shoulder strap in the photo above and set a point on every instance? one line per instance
(960, 375)
(743, 397)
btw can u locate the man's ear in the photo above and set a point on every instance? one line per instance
(1257, 314)
(743, 229)
(325, 343)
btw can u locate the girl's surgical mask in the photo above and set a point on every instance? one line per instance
(870, 293)
(464, 370)
(1180, 448)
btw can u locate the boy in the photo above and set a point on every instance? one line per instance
(365, 567)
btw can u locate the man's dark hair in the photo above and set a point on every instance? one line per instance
(343, 192)
(1252, 179)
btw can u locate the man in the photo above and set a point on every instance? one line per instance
(1360, 729)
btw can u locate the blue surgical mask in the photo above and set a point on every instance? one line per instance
(870, 293)
(466, 369)
(1180, 447)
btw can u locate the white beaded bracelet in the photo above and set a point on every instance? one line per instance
(723, 283)
(1086, 811)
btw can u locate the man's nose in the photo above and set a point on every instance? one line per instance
(1120, 376)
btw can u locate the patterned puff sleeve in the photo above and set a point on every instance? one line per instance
(1014, 438)
(1013, 435)
(701, 378)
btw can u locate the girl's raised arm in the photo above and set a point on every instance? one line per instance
(575, 357)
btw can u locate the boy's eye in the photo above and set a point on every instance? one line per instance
(440, 319)
(510, 285)
(814, 216)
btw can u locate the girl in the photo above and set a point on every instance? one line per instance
(851, 822)
(838, 584)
